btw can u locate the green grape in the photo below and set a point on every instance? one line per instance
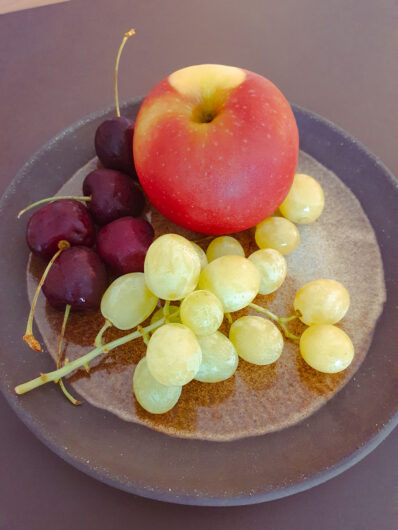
(233, 279)
(272, 268)
(304, 202)
(277, 233)
(326, 348)
(219, 358)
(127, 302)
(256, 340)
(174, 315)
(202, 312)
(152, 395)
(322, 302)
(224, 246)
(202, 255)
(173, 355)
(172, 267)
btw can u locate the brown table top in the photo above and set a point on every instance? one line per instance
(337, 58)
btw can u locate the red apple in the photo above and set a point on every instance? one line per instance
(215, 148)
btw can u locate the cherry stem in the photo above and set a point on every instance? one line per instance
(98, 339)
(166, 311)
(51, 199)
(29, 337)
(280, 320)
(67, 394)
(61, 336)
(127, 35)
(81, 361)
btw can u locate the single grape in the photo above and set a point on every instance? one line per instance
(219, 358)
(77, 278)
(304, 202)
(174, 315)
(272, 268)
(256, 339)
(152, 395)
(322, 302)
(202, 255)
(123, 244)
(173, 355)
(113, 195)
(224, 246)
(233, 279)
(202, 312)
(64, 219)
(277, 233)
(127, 302)
(172, 267)
(326, 348)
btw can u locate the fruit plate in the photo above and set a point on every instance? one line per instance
(141, 461)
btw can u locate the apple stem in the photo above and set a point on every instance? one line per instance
(82, 361)
(127, 35)
(280, 320)
(29, 337)
(52, 199)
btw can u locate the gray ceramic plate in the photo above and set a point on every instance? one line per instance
(139, 460)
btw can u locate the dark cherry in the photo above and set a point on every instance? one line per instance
(114, 145)
(123, 244)
(113, 195)
(66, 220)
(77, 278)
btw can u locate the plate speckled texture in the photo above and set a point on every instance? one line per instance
(148, 463)
(341, 245)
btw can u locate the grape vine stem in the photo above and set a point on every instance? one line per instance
(280, 320)
(81, 361)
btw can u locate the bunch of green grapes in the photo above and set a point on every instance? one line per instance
(185, 341)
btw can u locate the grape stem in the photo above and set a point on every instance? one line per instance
(145, 336)
(98, 339)
(280, 320)
(52, 199)
(229, 317)
(29, 337)
(166, 311)
(127, 35)
(81, 361)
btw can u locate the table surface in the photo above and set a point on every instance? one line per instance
(336, 58)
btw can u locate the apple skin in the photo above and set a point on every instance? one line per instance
(223, 176)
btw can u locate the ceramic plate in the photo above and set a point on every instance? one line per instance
(148, 463)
